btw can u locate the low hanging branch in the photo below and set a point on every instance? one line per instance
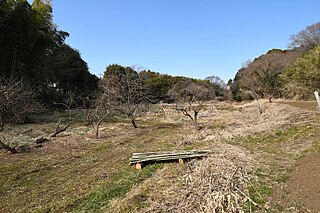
(58, 131)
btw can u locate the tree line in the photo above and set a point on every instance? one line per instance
(33, 49)
(39, 70)
(130, 91)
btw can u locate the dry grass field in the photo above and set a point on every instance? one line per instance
(265, 162)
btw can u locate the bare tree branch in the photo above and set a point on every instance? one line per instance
(126, 93)
(18, 101)
(307, 38)
(190, 98)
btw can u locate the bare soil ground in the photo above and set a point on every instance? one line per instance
(278, 151)
(304, 185)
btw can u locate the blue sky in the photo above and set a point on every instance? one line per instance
(193, 38)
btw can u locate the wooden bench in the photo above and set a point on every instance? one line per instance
(138, 159)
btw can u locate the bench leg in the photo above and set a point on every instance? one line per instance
(139, 166)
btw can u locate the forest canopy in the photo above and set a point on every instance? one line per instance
(33, 49)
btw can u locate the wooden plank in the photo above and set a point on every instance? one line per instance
(166, 158)
(163, 155)
(150, 153)
(168, 152)
(139, 158)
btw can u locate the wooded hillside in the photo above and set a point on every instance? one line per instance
(292, 73)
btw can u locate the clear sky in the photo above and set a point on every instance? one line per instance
(193, 38)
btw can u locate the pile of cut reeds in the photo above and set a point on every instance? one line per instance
(217, 183)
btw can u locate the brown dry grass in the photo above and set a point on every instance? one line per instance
(65, 171)
(215, 184)
(205, 185)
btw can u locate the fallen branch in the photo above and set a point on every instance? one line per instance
(10, 149)
(58, 131)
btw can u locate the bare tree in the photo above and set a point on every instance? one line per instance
(100, 111)
(17, 101)
(190, 98)
(68, 103)
(126, 93)
(307, 38)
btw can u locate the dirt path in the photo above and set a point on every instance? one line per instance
(304, 184)
(309, 105)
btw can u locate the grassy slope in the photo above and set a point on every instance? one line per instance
(85, 177)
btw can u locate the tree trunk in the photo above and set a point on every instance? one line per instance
(99, 123)
(1, 124)
(134, 123)
(14, 60)
(2, 119)
(196, 116)
(97, 132)
(59, 131)
(196, 125)
(195, 120)
(97, 127)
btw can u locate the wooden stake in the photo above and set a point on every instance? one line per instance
(181, 161)
(316, 94)
(139, 166)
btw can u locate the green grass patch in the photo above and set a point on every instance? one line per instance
(258, 193)
(313, 149)
(283, 178)
(117, 187)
